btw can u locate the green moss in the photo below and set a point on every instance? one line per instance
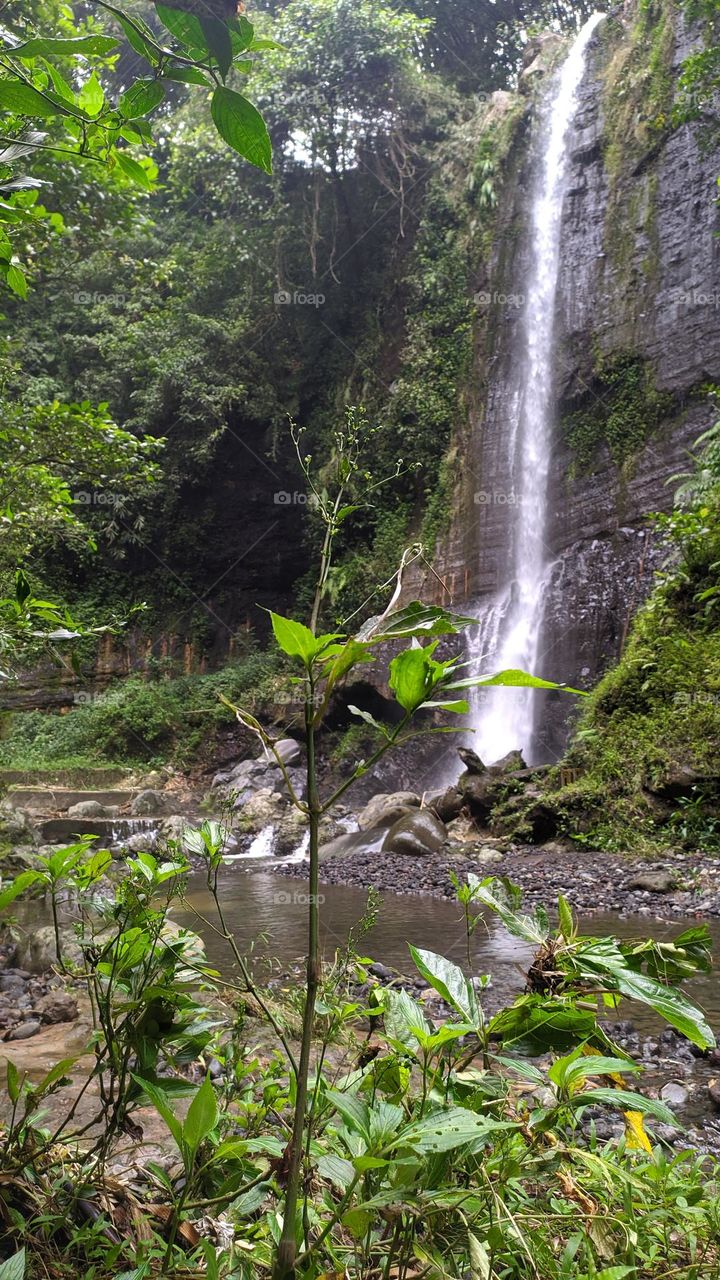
(621, 409)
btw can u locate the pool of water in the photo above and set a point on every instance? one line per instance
(268, 913)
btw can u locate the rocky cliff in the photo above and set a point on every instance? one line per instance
(638, 343)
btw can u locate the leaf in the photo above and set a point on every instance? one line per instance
(512, 679)
(500, 898)
(479, 1259)
(415, 619)
(202, 1115)
(12, 1078)
(18, 886)
(15, 280)
(534, 1025)
(404, 1019)
(92, 96)
(337, 1170)
(675, 1007)
(185, 75)
(294, 638)
(139, 36)
(94, 46)
(14, 1268)
(141, 98)
(637, 1139)
(240, 124)
(365, 715)
(160, 1102)
(23, 100)
(411, 677)
(628, 1101)
(217, 40)
(449, 981)
(565, 917)
(130, 167)
(448, 1129)
(353, 1110)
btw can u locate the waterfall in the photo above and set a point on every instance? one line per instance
(509, 626)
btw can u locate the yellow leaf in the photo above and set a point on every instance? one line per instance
(637, 1139)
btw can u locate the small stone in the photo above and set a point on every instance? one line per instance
(676, 1095)
(653, 881)
(288, 750)
(714, 1093)
(24, 1030)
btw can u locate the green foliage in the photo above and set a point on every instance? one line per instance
(138, 721)
(622, 409)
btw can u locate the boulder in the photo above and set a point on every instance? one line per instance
(513, 762)
(471, 760)
(24, 1030)
(36, 950)
(385, 809)
(288, 750)
(714, 1093)
(148, 804)
(654, 881)
(416, 834)
(449, 805)
(56, 1006)
(142, 842)
(265, 808)
(15, 827)
(480, 791)
(87, 809)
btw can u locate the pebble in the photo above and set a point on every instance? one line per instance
(24, 1030)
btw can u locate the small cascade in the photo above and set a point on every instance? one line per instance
(510, 623)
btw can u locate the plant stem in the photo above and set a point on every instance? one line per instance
(284, 1268)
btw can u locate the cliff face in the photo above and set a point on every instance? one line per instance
(638, 338)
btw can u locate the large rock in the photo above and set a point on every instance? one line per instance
(288, 750)
(513, 762)
(385, 809)
(87, 809)
(24, 1030)
(654, 881)
(265, 808)
(148, 804)
(480, 792)
(416, 834)
(36, 950)
(449, 805)
(15, 827)
(56, 1006)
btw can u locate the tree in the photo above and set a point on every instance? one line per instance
(56, 98)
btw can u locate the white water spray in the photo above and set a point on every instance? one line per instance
(510, 624)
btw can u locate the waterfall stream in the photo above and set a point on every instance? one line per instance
(509, 625)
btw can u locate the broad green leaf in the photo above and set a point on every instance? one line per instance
(626, 1101)
(337, 1170)
(184, 26)
(217, 39)
(92, 46)
(496, 895)
(594, 1064)
(16, 280)
(294, 638)
(23, 100)
(448, 1129)
(411, 677)
(134, 171)
(185, 75)
(415, 619)
(202, 1115)
(56, 1073)
(92, 96)
(18, 886)
(162, 1106)
(449, 981)
(565, 917)
(511, 679)
(138, 34)
(670, 1003)
(535, 1025)
(240, 124)
(141, 98)
(365, 715)
(12, 1078)
(405, 1021)
(353, 1110)
(13, 1268)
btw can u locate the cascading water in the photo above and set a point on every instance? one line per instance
(509, 625)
